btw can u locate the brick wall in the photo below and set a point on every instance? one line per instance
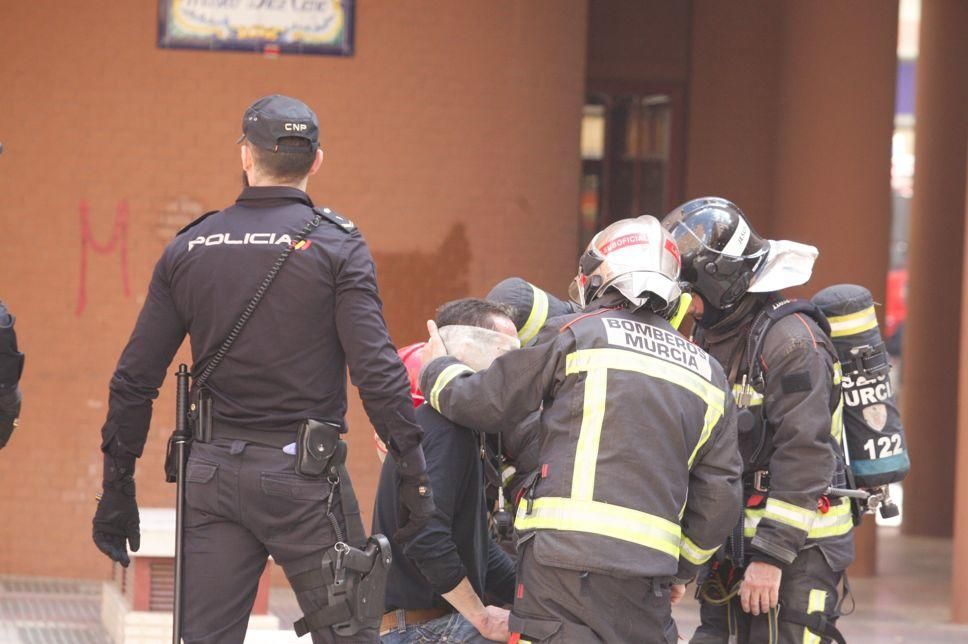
(451, 138)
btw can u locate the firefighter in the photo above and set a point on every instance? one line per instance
(639, 476)
(785, 375)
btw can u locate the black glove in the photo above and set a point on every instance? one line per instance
(116, 519)
(416, 497)
(9, 413)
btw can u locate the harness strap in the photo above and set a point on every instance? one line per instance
(335, 613)
(816, 622)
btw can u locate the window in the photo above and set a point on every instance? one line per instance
(631, 149)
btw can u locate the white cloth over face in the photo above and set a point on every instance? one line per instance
(475, 346)
(787, 264)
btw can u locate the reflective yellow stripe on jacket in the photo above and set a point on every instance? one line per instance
(443, 379)
(538, 316)
(598, 361)
(837, 418)
(835, 522)
(579, 512)
(692, 553)
(555, 513)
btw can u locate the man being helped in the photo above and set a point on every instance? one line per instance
(795, 541)
(639, 476)
(11, 366)
(245, 499)
(452, 561)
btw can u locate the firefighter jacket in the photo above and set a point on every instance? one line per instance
(795, 424)
(640, 469)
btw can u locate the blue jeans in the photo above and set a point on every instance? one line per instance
(453, 629)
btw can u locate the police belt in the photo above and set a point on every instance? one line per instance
(278, 438)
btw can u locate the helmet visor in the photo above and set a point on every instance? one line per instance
(712, 230)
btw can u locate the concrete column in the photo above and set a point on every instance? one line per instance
(930, 402)
(959, 584)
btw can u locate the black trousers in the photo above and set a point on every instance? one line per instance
(557, 605)
(245, 502)
(808, 585)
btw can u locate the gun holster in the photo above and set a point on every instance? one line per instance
(355, 582)
(319, 449)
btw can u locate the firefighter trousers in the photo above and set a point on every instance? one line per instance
(557, 605)
(808, 586)
(245, 502)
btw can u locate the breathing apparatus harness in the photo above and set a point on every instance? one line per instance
(721, 587)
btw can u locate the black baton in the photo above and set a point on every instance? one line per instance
(180, 439)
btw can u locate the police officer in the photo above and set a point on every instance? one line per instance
(639, 476)
(245, 499)
(11, 367)
(795, 541)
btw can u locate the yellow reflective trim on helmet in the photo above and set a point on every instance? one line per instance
(586, 454)
(692, 553)
(588, 359)
(443, 380)
(685, 300)
(837, 521)
(604, 519)
(816, 603)
(538, 316)
(842, 325)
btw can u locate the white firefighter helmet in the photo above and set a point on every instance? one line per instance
(636, 257)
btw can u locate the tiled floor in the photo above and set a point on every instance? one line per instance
(907, 602)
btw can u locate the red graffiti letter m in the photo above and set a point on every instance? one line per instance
(118, 241)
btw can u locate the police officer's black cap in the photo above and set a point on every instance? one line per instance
(276, 117)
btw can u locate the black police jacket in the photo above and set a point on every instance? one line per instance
(11, 366)
(321, 314)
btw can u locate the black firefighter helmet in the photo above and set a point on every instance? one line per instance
(720, 252)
